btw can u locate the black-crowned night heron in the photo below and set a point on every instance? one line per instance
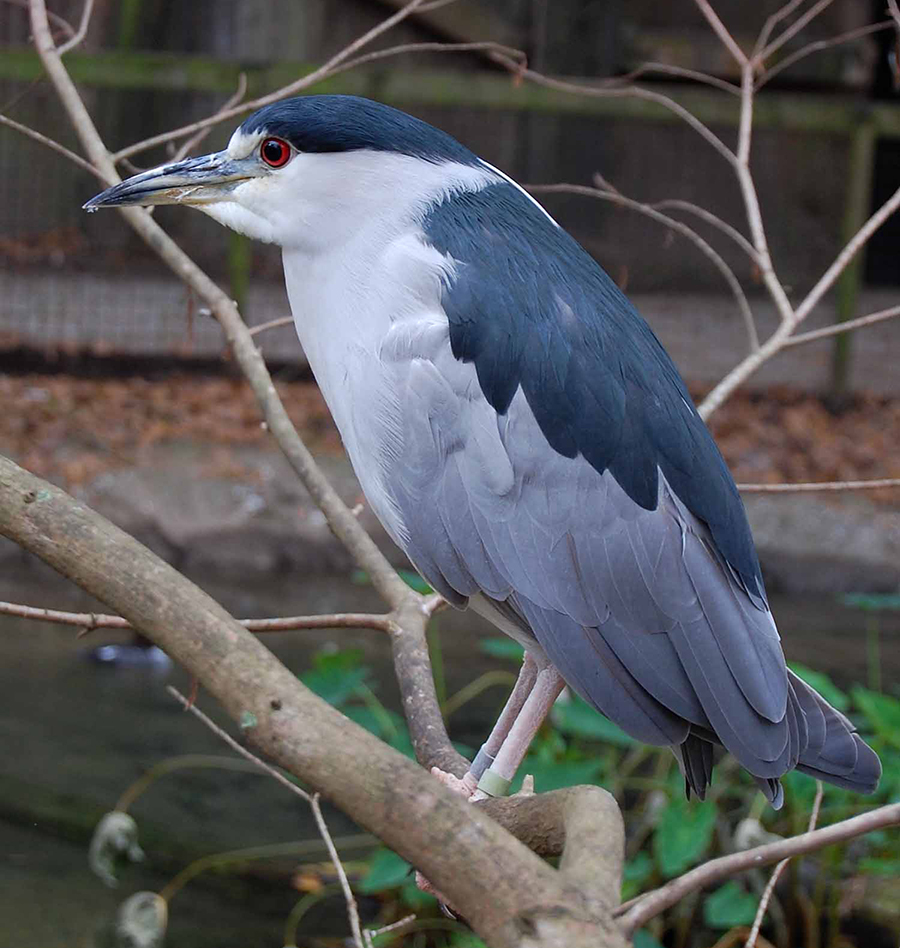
(521, 434)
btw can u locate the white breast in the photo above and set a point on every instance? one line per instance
(366, 296)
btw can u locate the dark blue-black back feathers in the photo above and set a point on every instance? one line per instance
(529, 306)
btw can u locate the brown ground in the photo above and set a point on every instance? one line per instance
(72, 429)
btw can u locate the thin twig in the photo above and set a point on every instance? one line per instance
(637, 92)
(635, 913)
(812, 487)
(818, 46)
(718, 26)
(666, 69)
(352, 910)
(369, 934)
(61, 149)
(851, 249)
(272, 324)
(480, 47)
(188, 146)
(82, 28)
(776, 873)
(713, 219)
(791, 31)
(89, 621)
(303, 83)
(836, 328)
(52, 17)
(771, 23)
(233, 744)
(672, 223)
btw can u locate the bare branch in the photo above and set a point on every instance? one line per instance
(712, 219)
(237, 748)
(818, 46)
(776, 873)
(791, 31)
(89, 621)
(771, 23)
(61, 149)
(188, 146)
(776, 342)
(836, 328)
(62, 23)
(813, 487)
(82, 28)
(313, 801)
(480, 47)
(638, 911)
(718, 26)
(614, 196)
(846, 255)
(271, 324)
(666, 69)
(352, 910)
(636, 92)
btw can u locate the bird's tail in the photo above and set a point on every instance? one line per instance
(835, 753)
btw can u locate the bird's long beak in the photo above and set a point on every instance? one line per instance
(202, 180)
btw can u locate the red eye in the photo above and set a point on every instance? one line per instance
(275, 152)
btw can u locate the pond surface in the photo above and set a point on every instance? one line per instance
(75, 734)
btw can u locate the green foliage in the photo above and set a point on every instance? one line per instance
(667, 833)
(385, 871)
(359, 577)
(823, 684)
(502, 647)
(683, 835)
(729, 906)
(882, 713)
(578, 719)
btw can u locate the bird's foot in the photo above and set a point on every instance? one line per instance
(466, 786)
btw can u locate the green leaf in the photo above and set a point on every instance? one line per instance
(386, 871)
(415, 898)
(881, 711)
(466, 940)
(643, 939)
(359, 577)
(502, 647)
(636, 873)
(881, 865)
(823, 684)
(579, 719)
(730, 906)
(415, 581)
(334, 684)
(683, 835)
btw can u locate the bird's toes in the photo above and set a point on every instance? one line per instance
(465, 786)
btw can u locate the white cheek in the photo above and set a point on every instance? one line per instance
(242, 219)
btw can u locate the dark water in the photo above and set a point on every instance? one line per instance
(74, 735)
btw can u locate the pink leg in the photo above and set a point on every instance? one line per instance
(546, 689)
(514, 704)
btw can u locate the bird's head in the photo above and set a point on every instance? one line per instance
(303, 168)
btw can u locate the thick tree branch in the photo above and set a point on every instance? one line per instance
(506, 890)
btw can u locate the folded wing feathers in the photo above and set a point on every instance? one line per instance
(637, 608)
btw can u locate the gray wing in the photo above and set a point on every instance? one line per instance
(635, 608)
